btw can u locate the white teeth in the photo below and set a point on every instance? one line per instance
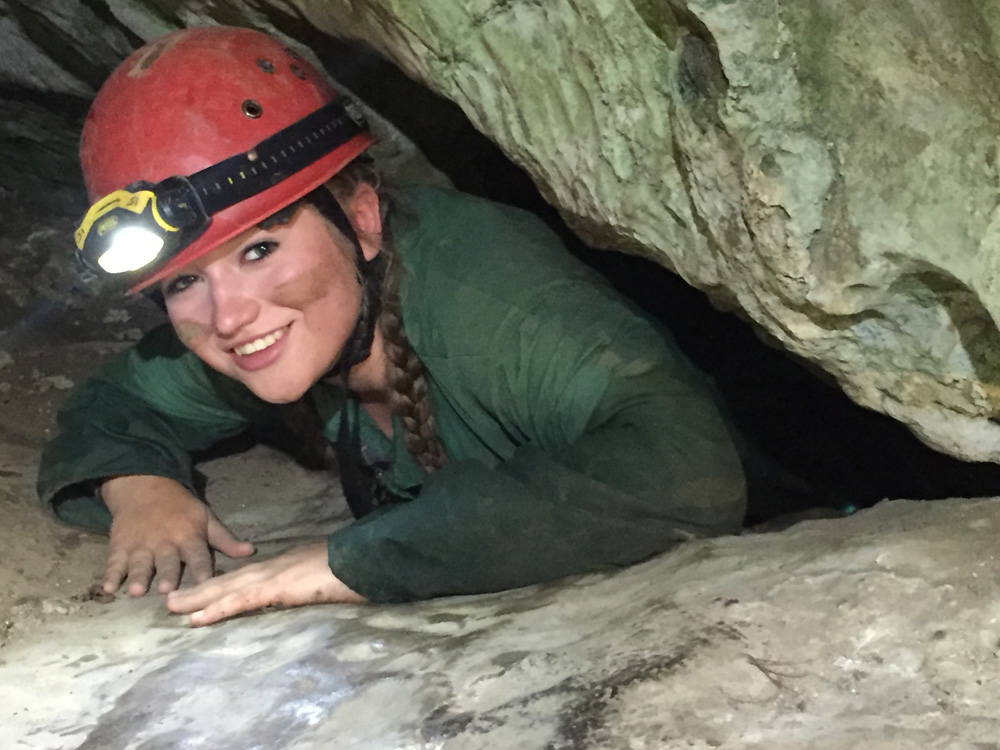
(258, 344)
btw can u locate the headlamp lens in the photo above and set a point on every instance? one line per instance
(130, 249)
(137, 229)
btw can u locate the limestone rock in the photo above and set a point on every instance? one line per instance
(876, 631)
(829, 170)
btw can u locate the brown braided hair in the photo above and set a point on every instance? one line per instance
(409, 395)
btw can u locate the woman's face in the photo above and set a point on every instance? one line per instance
(272, 308)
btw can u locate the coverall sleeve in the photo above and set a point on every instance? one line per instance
(623, 455)
(146, 412)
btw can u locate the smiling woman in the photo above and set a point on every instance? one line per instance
(500, 416)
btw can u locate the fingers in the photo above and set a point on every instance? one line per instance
(223, 540)
(140, 572)
(297, 577)
(238, 602)
(188, 600)
(168, 571)
(198, 559)
(228, 595)
(114, 574)
(138, 566)
(159, 528)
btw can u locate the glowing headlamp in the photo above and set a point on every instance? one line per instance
(141, 227)
(133, 232)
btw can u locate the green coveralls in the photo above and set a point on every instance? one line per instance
(579, 438)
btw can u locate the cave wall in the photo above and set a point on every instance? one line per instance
(827, 170)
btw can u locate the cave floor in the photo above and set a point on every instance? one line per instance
(881, 630)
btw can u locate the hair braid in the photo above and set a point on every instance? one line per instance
(409, 396)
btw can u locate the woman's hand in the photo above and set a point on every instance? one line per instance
(158, 526)
(299, 576)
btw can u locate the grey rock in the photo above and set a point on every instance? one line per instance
(828, 171)
(117, 315)
(879, 630)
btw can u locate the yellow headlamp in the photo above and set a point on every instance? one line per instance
(140, 227)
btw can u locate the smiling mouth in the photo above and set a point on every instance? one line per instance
(260, 344)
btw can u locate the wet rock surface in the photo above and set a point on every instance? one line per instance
(880, 630)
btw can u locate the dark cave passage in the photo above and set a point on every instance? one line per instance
(812, 445)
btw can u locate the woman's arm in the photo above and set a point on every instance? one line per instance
(157, 527)
(145, 412)
(653, 467)
(121, 461)
(298, 577)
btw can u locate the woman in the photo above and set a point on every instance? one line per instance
(501, 416)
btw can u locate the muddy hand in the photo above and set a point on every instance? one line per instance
(300, 576)
(158, 528)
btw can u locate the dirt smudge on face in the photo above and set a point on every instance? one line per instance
(307, 287)
(188, 332)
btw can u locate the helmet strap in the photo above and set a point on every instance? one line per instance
(370, 273)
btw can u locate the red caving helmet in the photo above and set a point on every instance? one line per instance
(195, 98)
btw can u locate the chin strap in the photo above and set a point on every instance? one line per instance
(371, 272)
(359, 344)
(363, 489)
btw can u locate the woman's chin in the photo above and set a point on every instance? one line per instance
(278, 393)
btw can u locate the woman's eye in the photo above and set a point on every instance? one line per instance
(178, 284)
(259, 250)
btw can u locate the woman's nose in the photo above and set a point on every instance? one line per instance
(234, 308)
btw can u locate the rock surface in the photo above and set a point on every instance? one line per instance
(828, 169)
(878, 631)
